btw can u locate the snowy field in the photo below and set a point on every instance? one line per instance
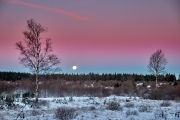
(92, 108)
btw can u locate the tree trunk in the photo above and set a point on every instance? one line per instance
(156, 81)
(37, 86)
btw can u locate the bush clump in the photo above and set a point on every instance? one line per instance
(177, 114)
(117, 85)
(131, 112)
(39, 104)
(64, 113)
(129, 105)
(9, 101)
(113, 105)
(160, 114)
(92, 107)
(28, 95)
(145, 108)
(165, 104)
(35, 112)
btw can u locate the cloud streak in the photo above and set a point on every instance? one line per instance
(61, 11)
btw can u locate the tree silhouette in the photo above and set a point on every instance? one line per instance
(35, 54)
(157, 64)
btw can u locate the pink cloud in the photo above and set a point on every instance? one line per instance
(61, 11)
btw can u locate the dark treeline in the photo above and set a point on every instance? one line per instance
(110, 76)
(13, 76)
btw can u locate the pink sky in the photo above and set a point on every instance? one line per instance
(97, 36)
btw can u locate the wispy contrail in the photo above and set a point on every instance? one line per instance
(50, 9)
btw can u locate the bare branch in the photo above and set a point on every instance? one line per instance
(157, 63)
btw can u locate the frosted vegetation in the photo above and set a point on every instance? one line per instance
(90, 108)
(89, 100)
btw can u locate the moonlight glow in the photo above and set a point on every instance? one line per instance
(74, 67)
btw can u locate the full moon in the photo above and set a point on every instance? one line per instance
(74, 67)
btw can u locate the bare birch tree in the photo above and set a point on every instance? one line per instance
(36, 55)
(157, 64)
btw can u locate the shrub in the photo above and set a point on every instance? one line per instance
(127, 100)
(131, 118)
(35, 112)
(64, 113)
(165, 104)
(106, 92)
(40, 103)
(9, 100)
(28, 95)
(1, 98)
(116, 85)
(113, 105)
(160, 114)
(17, 95)
(131, 112)
(71, 99)
(43, 102)
(175, 83)
(177, 99)
(27, 101)
(7, 87)
(145, 108)
(129, 105)
(156, 95)
(92, 107)
(177, 114)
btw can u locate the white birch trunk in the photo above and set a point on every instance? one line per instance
(156, 81)
(37, 86)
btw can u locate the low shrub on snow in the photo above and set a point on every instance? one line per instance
(35, 112)
(131, 112)
(92, 107)
(177, 114)
(165, 104)
(40, 104)
(65, 113)
(131, 118)
(113, 105)
(129, 105)
(160, 114)
(145, 108)
(28, 95)
(177, 99)
(10, 101)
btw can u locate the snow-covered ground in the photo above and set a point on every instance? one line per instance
(94, 108)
